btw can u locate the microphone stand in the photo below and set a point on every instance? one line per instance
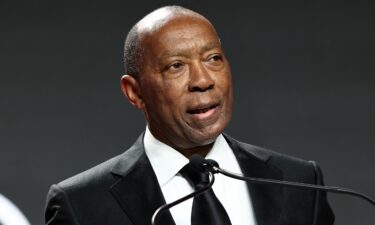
(212, 167)
(254, 180)
(165, 207)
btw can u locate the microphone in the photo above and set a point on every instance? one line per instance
(213, 166)
(201, 165)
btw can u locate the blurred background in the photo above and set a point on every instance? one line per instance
(303, 75)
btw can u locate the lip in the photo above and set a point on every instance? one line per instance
(203, 111)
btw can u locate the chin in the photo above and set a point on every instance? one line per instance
(205, 137)
(206, 141)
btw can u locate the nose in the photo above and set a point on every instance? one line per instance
(200, 78)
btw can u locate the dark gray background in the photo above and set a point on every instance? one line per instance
(303, 75)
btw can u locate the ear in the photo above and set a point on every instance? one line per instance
(131, 89)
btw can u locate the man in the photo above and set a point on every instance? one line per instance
(179, 77)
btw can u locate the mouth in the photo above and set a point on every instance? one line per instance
(203, 111)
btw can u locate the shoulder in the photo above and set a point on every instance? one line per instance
(89, 192)
(97, 175)
(85, 197)
(292, 167)
(288, 168)
(106, 173)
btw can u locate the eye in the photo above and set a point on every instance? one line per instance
(175, 66)
(215, 58)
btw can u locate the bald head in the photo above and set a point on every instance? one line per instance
(134, 47)
(159, 17)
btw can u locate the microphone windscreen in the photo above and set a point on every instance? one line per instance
(212, 162)
(201, 164)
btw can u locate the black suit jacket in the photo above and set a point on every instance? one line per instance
(124, 191)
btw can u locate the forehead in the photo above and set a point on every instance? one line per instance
(182, 34)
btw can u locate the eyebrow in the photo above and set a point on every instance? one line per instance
(181, 52)
(210, 46)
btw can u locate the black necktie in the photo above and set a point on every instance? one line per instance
(207, 209)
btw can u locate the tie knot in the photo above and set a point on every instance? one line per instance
(206, 208)
(194, 176)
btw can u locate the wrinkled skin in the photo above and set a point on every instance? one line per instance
(184, 87)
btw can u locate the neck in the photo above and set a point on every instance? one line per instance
(186, 151)
(200, 150)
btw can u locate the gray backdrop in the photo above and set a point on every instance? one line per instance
(303, 75)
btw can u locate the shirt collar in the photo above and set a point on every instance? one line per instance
(223, 155)
(167, 162)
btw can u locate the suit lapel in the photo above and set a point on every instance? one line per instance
(138, 191)
(139, 194)
(266, 199)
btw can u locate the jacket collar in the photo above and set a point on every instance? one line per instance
(138, 191)
(139, 194)
(266, 199)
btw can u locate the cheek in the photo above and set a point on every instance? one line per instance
(167, 102)
(224, 82)
(174, 90)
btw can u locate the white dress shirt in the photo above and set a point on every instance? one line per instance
(233, 194)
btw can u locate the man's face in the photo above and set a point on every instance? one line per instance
(185, 83)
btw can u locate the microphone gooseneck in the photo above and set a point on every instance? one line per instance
(216, 169)
(212, 167)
